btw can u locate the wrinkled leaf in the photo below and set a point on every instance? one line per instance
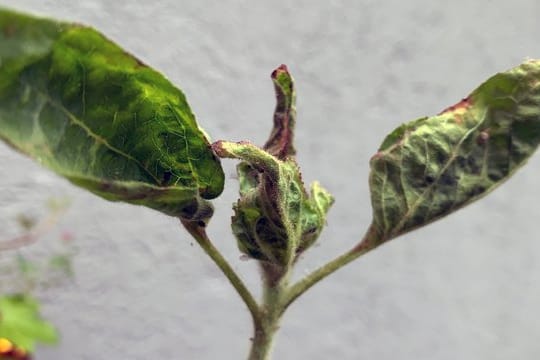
(432, 166)
(21, 323)
(83, 107)
(280, 143)
(275, 219)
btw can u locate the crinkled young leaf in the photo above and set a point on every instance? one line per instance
(83, 107)
(21, 323)
(432, 166)
(275, 219)
(281, 140)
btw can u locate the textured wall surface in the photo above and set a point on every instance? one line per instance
(465, 287)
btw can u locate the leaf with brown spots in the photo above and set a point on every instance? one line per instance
(430, 167)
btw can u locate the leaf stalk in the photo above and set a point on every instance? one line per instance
(198, 232)
(369, 242)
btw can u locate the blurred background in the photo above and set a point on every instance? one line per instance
(462, 288)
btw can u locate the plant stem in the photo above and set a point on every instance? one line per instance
(277, 294)
(368, 243)
(199, 234)
(272, 310)
(264, 334)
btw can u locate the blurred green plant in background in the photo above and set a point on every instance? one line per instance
(22, 274)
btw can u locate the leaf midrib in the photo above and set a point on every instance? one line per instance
(411, 210)
(73, 118)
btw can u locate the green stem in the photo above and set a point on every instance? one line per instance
(272, 310)
(264, 333)
(368, 243)
(199, 234)
(277, 294)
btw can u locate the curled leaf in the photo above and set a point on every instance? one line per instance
(83, 107)
(275, 219)
(432, 166)
(281, 140)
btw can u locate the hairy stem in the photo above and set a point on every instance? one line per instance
(277, 293)
(199, 234)
(274, 292)
(368, 243)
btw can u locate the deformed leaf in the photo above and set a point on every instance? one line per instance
(432, 166)
(83, 107)
(275, 219)
(21, 323)
(281, 140)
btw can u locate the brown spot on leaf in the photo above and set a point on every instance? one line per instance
(483, 137)
(9, 30)
(458, 118)
(462, 105)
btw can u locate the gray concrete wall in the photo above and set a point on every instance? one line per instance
(463, 288)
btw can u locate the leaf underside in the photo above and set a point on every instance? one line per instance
(432, 166)
(83, 107)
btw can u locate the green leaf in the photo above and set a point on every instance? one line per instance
(83, 107)
(432, 166)
(21, 323)
(275, 219)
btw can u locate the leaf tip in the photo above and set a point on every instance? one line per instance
(281, 69)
